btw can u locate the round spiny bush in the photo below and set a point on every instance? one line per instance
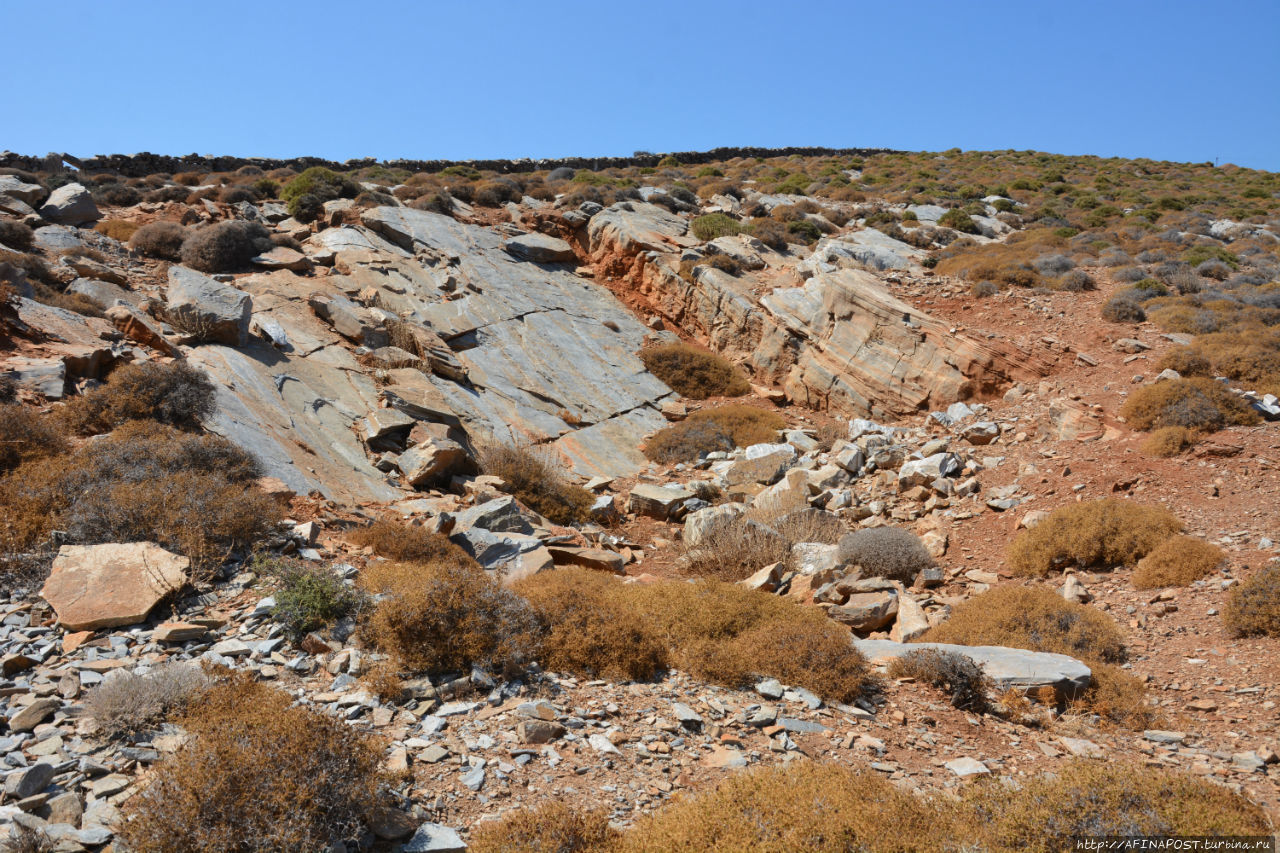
(538, 481)
(26, 435)
(694, 373)
(321, 185)
(1032, 618)
(259, 774)
(1077, 281)
(309, 597)
(306, 208)
(175, 394)
(1178, 561)
(983, 289)
(1123, 309)
(957, 220)
(1254, 606)
(770, 232)
(16, 235)
(1100, 534)
(1186, 361)
(1195, 403)
(159, 240)
(225, 246)
(886, 552)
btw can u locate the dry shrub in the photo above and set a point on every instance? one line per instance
(1254, 606)
(127, 703)
(552, 827)
(802, 805)
(694, 373)
(225, 246)
(16, 235)
(1046, 813)
(405, 543)
(447, 616)
(952, 672)
(1177, 561)
(27, 435)
(1195, 403)
(1186, 360)
(1169, 441)
(1103, 534)
(734, 549)
(1032, 618)
(159, 240)
(886, 552)
(26, 839)
(1117, 697)
(1123, 308)
(258, 775)
(721, 428)
(175, 394)
(537, 481)
(384, 681)
(144, 482)
(589, 626)
(117, 229)
(731, 635)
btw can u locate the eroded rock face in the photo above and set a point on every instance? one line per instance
(837, 341)
(104, 586)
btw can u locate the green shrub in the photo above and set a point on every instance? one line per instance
(321, 185)
(712, 225)
(1197, 255)
(1100, 534)
(309, 597)
(958, 220)
(804, 230)
(694, 373)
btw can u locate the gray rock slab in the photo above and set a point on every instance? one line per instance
(1007, 668)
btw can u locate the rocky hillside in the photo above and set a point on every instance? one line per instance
(546, 494)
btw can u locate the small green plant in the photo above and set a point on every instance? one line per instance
(309, 597)
(958, 220)
(321, 185)
(712, 225)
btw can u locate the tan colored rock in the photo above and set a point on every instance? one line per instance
(911, 621)
(137, 328)
(866, 611)
(33, 715)
(106, 586)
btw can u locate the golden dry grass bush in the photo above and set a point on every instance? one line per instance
(1253, 609)
(1046, 812)
(447, 616)
(259, 774)
(1032, 618)
(117, 229)
(1169, 441)
(26, 435)
(590, 628)
(407, 543)
(175, 394)
(694, 373)
(383, 680)
(1177, 561)
(803, 805)
(1010, 262)
(552, 827)
(537, 480)
(1195, 403)
(708, 430)
(1101, 534)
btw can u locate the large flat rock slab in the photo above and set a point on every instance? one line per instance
(1008, 669)
(107, 586)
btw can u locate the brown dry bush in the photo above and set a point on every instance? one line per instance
(258, 775)
(1185, 360)
(159, 240)
(1169, 441)
(1101, 534)
(175, 394)
(721, 428)
(1195, 403)
(1177, 561)
(405, 543)
(737, 548)
(27, 435)
(447, 616)
(16, 235)
(1032, 618)
(128, 703)
(537, 481)
(589, 627)
(552, 827)
(1254, 606)
(225, 246)
(384, 681)
(803, 805)
(1090, 798)
(886, 552)
(731, 635)
(694, 373)
(952, 672)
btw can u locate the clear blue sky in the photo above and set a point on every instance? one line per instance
(1174, 80)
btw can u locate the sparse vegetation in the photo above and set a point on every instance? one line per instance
(537, 481)
(1177, 561)
(175, 394)
(721, 428)
(405, 543)
(1254, 606)
(694, 373)
(27, 435)
(127, 703)
(552, 827)
(1101, 534)
(951, 672)
(301, 779)
(309, 597)
(886, 552)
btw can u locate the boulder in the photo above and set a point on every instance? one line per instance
(106, 586)
(14, 187)
(431, 461)
(980, 433)
(597, 559)
(866, 611)
(212, 310)
(283, 258)
(501, 515)
(922, 472)
(1007, 668)
(763, 463)
(540, 248)
(435, 838)
(700, 523)
(70, 204)
(657, 501)
(911, 621)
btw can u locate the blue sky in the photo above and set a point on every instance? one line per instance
(1174, 80)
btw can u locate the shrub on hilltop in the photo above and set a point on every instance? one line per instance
(306, 194)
